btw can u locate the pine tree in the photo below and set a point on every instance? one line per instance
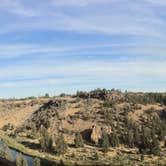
(78, 140)
(130, 138)
(136, 136)
(149, 143)
(46, 143)
(61, 145)
(154, 147)
(161, 131)
(21, 161)
(114, 140)
(105, 143)
(46, 140)
(36, 162)
(33, 129)
(144, 145)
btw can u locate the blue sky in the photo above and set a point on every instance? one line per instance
(59, 46)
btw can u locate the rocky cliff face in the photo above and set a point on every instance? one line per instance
(96, 134)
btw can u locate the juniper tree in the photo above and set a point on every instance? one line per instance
(130, 138)
(61, 145)
(149, 143)
(136, 136)
(161, 130)
(46, 140)
(105, 143)
(145, 141)
(78, 140)
(33, 129)
(46, 143)
(154, 146)
(114, 139)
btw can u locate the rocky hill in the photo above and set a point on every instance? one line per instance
(132, 124)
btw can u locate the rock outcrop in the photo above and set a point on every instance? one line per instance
(96, 134)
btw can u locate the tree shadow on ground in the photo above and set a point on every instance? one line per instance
(31, 145)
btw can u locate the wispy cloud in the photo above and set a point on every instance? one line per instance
(16, 7)
(158, 2)
(114, 17)
(81, 3)
(52, 76)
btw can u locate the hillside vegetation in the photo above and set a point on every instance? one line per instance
(98, 127)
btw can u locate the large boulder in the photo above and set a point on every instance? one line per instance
(96, 134)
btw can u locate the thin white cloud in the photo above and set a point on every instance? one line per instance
(18, 50)
(157, 2)
(82, 3)
(64, 77)
(84, 68)
(122, 17)
(16, 7)
(8, 51)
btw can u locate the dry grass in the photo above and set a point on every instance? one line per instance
(17, 117)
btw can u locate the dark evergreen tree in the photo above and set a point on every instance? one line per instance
(105, 143)
(130, 138)
(108, 116)
(61, 145)
(149, 143)
(78, 140)
(136, 136)
(33, 129)
(161, 130)
(144, 145)
(114, 139)
(46, 140)
(154, 147)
